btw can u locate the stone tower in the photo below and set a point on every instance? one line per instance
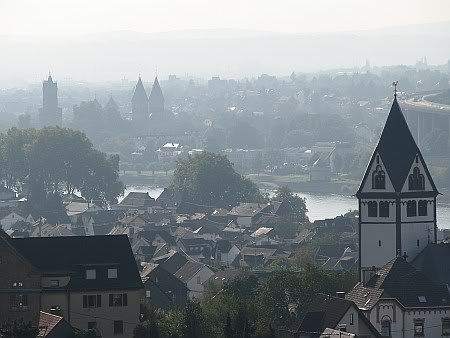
(50, 114)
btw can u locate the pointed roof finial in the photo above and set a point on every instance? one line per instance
(395, 83)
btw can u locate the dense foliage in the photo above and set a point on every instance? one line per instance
(18, 329)
(209, 179)
(53, 160)
(248, 306)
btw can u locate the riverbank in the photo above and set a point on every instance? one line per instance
(301, 183)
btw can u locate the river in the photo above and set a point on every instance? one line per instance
(322, 206)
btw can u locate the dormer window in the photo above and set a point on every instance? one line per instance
(91, 274)
(112, 273)
(378, 178)
(416, 181)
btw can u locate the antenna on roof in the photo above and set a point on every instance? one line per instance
(395, 83)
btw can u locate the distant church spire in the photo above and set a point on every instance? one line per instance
(139, 103)
(156, 101)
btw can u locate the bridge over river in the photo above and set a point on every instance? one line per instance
(426, 118)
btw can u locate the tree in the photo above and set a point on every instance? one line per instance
(228, 328)
(53, 160)
(192, 326)
(296, 206)
(17, 329)
(209, 179)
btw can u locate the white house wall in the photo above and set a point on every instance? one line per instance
(402, 322)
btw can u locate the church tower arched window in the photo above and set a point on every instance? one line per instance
(378, 177)
(384, 209)
(372, 209)
(411, 208)
(416, 180)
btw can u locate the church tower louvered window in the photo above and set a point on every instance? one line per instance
(416, 180)
(378, 177)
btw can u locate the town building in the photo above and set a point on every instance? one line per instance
(93, 281)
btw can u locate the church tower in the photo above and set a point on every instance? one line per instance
(397, 199)
(50, 114)
(139, 105)
(156, 101)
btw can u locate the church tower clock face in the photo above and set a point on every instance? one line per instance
(397, 198)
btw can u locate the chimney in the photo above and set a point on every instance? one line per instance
(368, 274)
(56, 310)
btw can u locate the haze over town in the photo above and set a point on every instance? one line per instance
(197, 169)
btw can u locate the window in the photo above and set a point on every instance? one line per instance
(91, 274)
(419, 327)
(423, 208)
(18, 302)
(92, 301)
(446, 326)
(118, 299)
(418, 243)
(379, 243)
(92, 325)
(148, 294)
(54, 283)
(416, 181)
(351, 319)
(384, 209)
(112, 273)
(411, 209)
(378, 178)
(118, 327)
(386, 328)
(373, 209)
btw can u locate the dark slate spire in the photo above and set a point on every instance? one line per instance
(139, 91)
(111, 104)
(397, 148)
(156, 99)
(139, 104)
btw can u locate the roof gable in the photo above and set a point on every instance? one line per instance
(396, 148)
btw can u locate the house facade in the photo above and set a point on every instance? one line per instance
(92, 281)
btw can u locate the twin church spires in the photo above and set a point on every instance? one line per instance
(144, 107)
(397, 198)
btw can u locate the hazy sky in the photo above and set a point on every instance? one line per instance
(56, 17)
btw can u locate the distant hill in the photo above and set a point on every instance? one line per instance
(228, 53)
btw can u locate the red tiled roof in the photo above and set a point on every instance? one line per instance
(47, 322)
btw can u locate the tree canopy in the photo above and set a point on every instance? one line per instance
(210, 179)
(54, 160)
